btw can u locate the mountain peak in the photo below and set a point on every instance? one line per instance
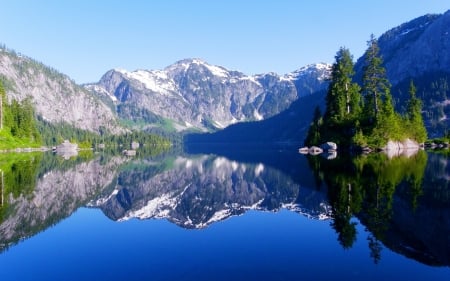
(185, 64)
(120, 70)
(320, 71)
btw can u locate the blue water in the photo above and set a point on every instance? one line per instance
(256, 246)
(189, 233)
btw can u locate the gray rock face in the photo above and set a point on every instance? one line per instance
(194, 93)
(55, 97)
(415, 47)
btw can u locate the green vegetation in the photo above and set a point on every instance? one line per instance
(149, 144)
(365, 187)
(17, 123)
(364, 116)
(433, 89)
(54, 134)
(19, 172)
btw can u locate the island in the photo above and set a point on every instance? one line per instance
(362, 117)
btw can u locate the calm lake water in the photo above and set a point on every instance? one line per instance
(224, 214)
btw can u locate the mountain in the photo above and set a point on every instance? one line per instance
(56, 98)
(286, 128)
(417, 50)
(414, 48)
(194, 94)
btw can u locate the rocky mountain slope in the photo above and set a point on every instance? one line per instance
(55, 97)
(194, 94)
(414, 48)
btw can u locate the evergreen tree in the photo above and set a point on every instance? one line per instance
(342, 101)
(18, 118)
(343, 95)
(365, 116)
(380, 122)
(414, 116)
(376, 87)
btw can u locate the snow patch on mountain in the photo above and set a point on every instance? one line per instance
(155, 80)
(101, 90)
(322, 71)
(215, 70)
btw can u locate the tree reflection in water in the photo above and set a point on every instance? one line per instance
(364, 187)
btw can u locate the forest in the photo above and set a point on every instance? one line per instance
(17, 123)
(20, 127)
(363, 116)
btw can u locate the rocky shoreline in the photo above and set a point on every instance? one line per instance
(392, 148)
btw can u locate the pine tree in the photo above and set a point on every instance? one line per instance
(380, 122)
(414, 115)
(343, 95)
(376, 86)
(342, 101)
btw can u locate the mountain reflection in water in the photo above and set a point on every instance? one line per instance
(197, 191)
(403, 202)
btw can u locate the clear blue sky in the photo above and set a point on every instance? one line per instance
(85, 38)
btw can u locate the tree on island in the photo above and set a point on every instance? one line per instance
(364, 116)
(414, 115)
(342, 101)
(379, 121)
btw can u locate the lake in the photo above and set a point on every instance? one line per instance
(209, 213)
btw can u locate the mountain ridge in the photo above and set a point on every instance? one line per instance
(202, 96)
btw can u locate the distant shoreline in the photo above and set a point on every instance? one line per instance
(26, 149)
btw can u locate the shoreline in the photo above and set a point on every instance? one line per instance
(26, 149)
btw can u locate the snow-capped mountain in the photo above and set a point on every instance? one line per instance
(193, 93)
(311, 78)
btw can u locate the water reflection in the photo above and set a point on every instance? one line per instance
(196, 191)
(403, 202)
(39, 190)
